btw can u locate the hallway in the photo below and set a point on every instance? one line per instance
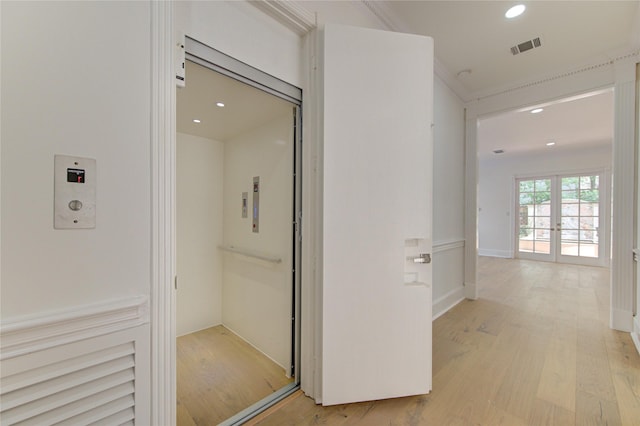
(534, 349)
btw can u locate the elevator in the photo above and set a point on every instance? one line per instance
(237, 196)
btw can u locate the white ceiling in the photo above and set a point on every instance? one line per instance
(577, 122)
(245, 107)
(475, 36)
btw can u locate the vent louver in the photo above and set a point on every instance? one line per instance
(526, 45)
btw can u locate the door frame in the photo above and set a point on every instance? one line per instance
(163, 54)
(216, 61)
(604, 216)
(618, 75)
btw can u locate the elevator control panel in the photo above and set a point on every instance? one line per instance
(74, 192)
(255, 227)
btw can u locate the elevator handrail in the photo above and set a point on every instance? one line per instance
(250, 253)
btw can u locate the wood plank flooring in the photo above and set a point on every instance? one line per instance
(219, 375)
(534, 349)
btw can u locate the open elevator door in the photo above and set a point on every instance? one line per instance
(262, 240)
(377, 210)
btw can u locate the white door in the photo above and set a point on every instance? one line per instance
(563, 219)
(377, 186)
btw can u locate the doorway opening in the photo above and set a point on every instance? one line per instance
(544, 174)
(238, 244)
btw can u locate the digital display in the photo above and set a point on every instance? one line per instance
(75, 175)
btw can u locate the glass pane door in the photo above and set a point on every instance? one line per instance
(560, 218)
(580, 216)
(535, 218)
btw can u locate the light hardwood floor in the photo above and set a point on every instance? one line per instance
(219, 375)
(534, 349)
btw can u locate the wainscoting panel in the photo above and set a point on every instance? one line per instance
(448, 275)
(87, 380)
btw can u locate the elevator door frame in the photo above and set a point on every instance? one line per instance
(217, 61)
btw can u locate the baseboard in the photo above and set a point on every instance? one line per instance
(199, 329)
(635, 334)
(250, 343)
(495, 253)
(448, 301)
(621, 320)
(470, 291)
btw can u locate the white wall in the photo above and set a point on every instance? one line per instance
(64, 92)
(496, 188)
(76, 80)
(242, 31)
(199, 177)
(257, 294)
(448, 199)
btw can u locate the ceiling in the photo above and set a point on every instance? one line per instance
(476, 36)
(245, 107)
(576, 122)
(473, 40)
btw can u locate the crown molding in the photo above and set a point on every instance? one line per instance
(385, 16)
(291, 14)
(606, 62)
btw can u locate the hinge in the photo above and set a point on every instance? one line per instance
(175, 282)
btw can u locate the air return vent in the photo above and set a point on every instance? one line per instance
(526, 45)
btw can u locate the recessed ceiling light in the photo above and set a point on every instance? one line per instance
(537, 110)
(220, 104)
(195, 120)
(551, 143)
(515, 11)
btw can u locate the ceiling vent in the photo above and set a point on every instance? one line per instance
(526, 45)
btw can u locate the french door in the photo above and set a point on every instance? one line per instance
(563, 218)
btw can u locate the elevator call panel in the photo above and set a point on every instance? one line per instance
(74, 192)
